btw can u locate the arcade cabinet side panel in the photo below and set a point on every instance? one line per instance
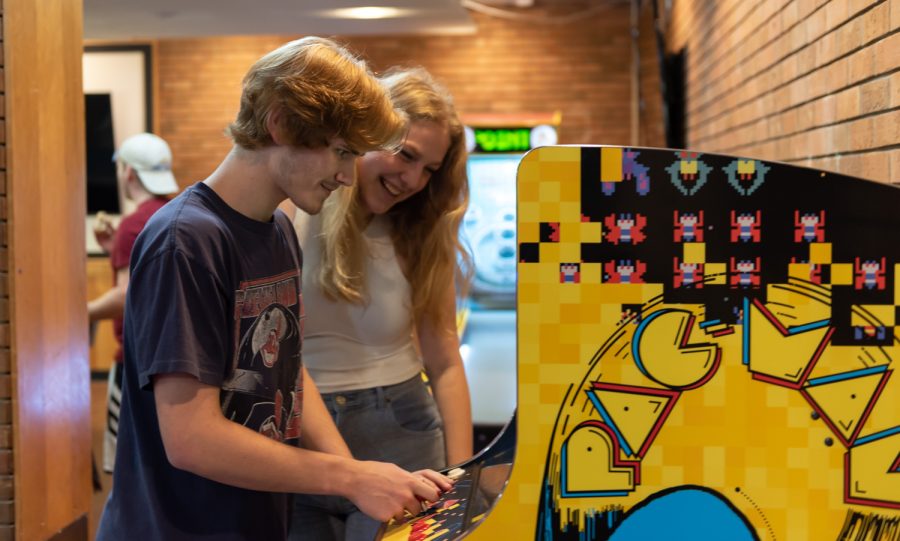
(540, 388)
(706, 348)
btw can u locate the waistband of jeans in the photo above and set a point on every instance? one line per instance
(372, 394)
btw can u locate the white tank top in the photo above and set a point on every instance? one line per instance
(350, 346)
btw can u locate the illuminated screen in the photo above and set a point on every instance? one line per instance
(490, 227)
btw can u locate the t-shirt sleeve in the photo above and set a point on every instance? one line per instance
(126, 234)
(178, 317)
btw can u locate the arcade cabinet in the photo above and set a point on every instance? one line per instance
(706, 347)
(496, 144)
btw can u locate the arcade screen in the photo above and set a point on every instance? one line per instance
(489, 228)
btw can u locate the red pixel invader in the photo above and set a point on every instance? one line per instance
(688, 227)
(745, 226)
(869, 273)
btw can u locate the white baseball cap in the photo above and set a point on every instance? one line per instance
(151, 159)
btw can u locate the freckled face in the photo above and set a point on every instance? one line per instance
(386, 179)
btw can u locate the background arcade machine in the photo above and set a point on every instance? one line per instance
(706, 347)
(496, 144)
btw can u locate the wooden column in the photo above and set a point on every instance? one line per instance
(45, 268)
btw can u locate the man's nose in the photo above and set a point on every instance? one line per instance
(346, 173)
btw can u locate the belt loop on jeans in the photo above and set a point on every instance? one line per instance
(380, 397)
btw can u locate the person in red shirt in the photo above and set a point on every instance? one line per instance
(144, 173)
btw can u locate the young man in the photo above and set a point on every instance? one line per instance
(144, 174)
(214, 387)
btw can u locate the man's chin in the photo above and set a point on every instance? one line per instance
(312, 207)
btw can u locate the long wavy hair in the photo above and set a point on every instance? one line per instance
(425, 227)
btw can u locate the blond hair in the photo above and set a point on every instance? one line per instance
(324, 92)
(425, 226)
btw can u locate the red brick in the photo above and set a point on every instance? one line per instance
(885, 129)
(876, 22)
(895, 89)
(895, 14)
(860, 135)
(875, 95)
(885, 53)
(847, 103)
(894, 158)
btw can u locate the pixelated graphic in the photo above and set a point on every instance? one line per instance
(744, 272)
(569, 272)
(624, 271)
(746, 176)
(625, 228)
(810, 226)
(727, 376)
(689, 173)
(614, 172)
(745, 226)
(869, 273)
(688, 226)
(687, 274)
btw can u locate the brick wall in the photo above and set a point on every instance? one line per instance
(580, 69)
(7, 495)
(811, 82)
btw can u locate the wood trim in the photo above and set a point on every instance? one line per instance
(46, 198)
(103, 348)
(76, 531)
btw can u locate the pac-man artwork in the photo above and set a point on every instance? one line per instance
(706, 348)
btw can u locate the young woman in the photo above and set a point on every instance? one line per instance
(383, 265)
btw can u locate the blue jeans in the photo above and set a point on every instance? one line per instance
(396, 423)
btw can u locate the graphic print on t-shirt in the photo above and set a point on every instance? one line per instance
(264, 389)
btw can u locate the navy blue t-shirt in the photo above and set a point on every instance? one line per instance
(216, 295)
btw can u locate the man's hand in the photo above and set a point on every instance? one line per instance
(104, 231)
(385, 491)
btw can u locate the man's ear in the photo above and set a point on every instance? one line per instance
(274, 122)
(132, 174)
(132, 179)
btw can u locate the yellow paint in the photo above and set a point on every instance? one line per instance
(665, 356)
(778, 356)
(842, 274)
(820, 253)
(746, 167)
(844, 401)
(611, 165)
(633, 414)
(869, 462)
(589, 463)
(694, 252)
(731, 432)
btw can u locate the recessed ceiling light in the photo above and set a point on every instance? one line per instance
(367, 12)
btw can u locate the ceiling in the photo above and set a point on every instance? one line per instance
(143, 19)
